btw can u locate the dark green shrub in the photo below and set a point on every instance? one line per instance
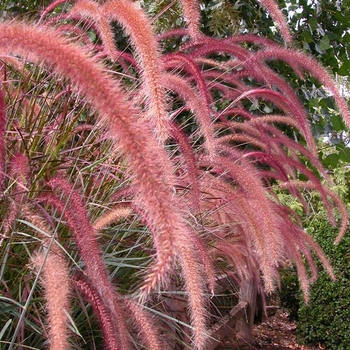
(326, 319)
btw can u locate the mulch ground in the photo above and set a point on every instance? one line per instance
(276, 332)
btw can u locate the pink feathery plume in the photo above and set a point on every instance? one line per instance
(278, 17)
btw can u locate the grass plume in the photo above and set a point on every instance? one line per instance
(55, 280)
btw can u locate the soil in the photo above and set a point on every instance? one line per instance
(276, 332)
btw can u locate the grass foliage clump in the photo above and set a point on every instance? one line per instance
(141, 175)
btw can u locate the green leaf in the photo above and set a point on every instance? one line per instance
(344, 70)
(307, 36)
(331, 161)
(313, 23)
(337, 123)
(344, 155)
(324, 43)
(346, 38)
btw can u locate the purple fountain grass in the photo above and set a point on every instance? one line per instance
(73, 25)
(234, 112)
(76, 32)
(195, 103)
(276, 161)
(239, 131)
(300, 61)
(263, 241)
(90, 13)
(304, 251)
(192, 15)
(228, 230)
(205, 262)
(277, 145)
(209, 64)
(237, 255)
(195, 264)
(146, 326)
(93, 11)
(148, 164)
(93, 18)
(293, 237)
(75, 214)
(216, 188)
(174, 61)
(56, 283)
(297, 246)
(190, 160)
(253, 39)
(7, 60)
(139, 28)
(241, 140)
(244, 135)
(173, 33)
(278, 18)
(260, 228)
(285, 100)
(67, 24)
(274, 119)
(85, 238)
(192, 271)
(81, 283)
(261, 132)
(112, 216)
(255, 68)
(19, 174)
(207, 46)
(292, 253)
(230, 86)
(285, 143)
(2, 141)
(42, 226)
(275, 97)
(319, 252)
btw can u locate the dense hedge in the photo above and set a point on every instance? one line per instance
(326, 319)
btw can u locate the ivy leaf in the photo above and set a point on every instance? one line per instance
(313, 24)
(344, 70)
(307, 36)
(337, 123)
(344, 155)
(324, 43)
(331, 161)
